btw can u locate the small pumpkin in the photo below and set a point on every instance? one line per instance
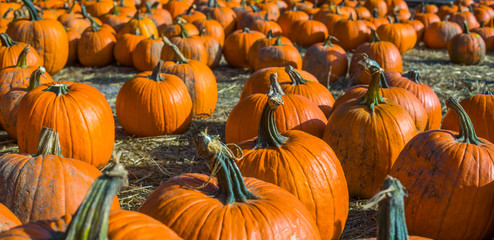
(223, 196)
(145, 25)
(115, 18)
(308, 32)
(265, 25)
(278, 54)
(95, 47)
(193, 14)
(466, 48)
(438, 34)
(212, 28)
(255, 48)
(448, 176)
(160, 17)
(99, 7)
(224, 15)
(380, 5)
(177, 7)
(487, 33)
(147, 53)
(377, 20)
(237, 47)
(153, 104)
(174, 30)
(427, 18)
(10, 50)
(326, 61)
(125, 47)
(73, 37)
(191, 47)
(465, 16)
(402, 35)
(354, 32)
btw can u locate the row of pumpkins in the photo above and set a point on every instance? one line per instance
(448, 175)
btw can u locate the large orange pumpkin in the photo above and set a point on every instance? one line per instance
(448, 176)
(297, 113)
(480, 109)
(367, 135)
(44, 185)
(152, 104)
(284, 159)
(77, 110)
(196, 206)
(47, 36)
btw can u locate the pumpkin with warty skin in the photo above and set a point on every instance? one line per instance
(391, 213)
(297, 113)
(198, 78)
(145, 25)
(7, 219)
(125, 47)
(479, 108)
(229, 202)
(411, 82)
(237, 45)
(147, 53)
(448, 176)
(402, 35)
(466, 48)
(278, 55)
(380, 129)
(10, 50)
(153, 104)
(18, 75)
(192, 47)
(385, 53)
(354, 33)
(282, 158)
(438, 34)
(9, 102)
(292, 81)
(326, 61)
(75, 108)
(44, 185)
(90, 221)
(95, 47)
(48, 37)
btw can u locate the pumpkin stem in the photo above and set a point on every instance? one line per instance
(466, 29)
(395, 18)
(90, 221)
(294, 75)
(268, 135)
(351, 17)
(373, 97)
(467, 131)
(191, 9)
(115, 10)
(94, 25)
(392, 223)
(486, 92)
(270, 34)
(374, 37)
(179, 57)
(482, 24)
(156, 74)
(414, 76)
(152, 37)
(84, 11)
(211, 3)
(231, 185)
(384, 82)
(6, 40)
(48, 143)
(266, 17)
(247, 30)
(22, 59)
(412, 16)
(34, 79)
(375, 13)
(422, 8)
(138, 15)
(255, 8)
(314, 5)
(148, 8)
(278, 41)
(33, 12)
(121, 3)
(208, 16)
(183, 31)
(6, 14)
(71, 8)
(58, 89)
(328, 42)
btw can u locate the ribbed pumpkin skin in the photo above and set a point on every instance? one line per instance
(308, 32)
(47, 36)
(278, 56)
(44, 229)
(438, 34)
(194, 214)
(95, 48)
(319, 59)
(259, 83)
(308, 168)
(237, 45)
(297, 113)
(191, 47)
(402, 35)
(38, 188)
(82, 116)
(377, 140)
(351, 33)
(9, 55)
(466, 48)
(423, 92)
(450, 186)
(146, 107)
(7, 219)
(480, 108)
(145, 25)
(147, 54)
(200, 82)
(130, 225)
(125, 46)
(9, 104)
(14, 77)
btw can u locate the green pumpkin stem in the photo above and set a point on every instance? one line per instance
(391, 216)
(246, 30)
(58, 89)
(314, 5)
(138, 15)
(266, 17)
(148, 8)
(48, 143)
(211, 3)
(467, 131)
(270, 34)
(231, 185)
(255, 8)
(268, 135)
(384, 82)
(33, 12)
(328, 42)
(156, 74)
(296, 78)
(152, 37)
(6, 14)
(191, 9)
(351, 17)
(179, 57)
(278, 41)
(373, 96)
(183, 31)
(94, 25)
(84, 11)
(375, 13)
(374, 37)
(412, 16)
(115, 10)
(482, 24)
(6, 40)
(90, 221)
(414, 76)
(121, 3)
(487, 92)
(22, 59)
(71, 8)
(466, 29)
(34, 79)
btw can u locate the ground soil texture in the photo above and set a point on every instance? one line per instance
(153, 160)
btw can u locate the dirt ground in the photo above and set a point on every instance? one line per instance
(153, 160)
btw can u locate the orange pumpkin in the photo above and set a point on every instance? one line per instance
(212, 28)
(95, 47)
(183, 202)
(145, 25)
(308, 32)
(379, 130)
(10, 50)
(352, 32)
(438, 34)
(73, 37)
(48, 37)
(487, 33)
(237, 47)
(224, 15)
(265, 25)
(115, 18)
(7, 219)
(466, 48)
(324, 191)
(147, 53)
(99, 7)
(287, 19)
(255, 48)
(125, 46)
(75, 108)
(278, 55)
(174, 30)
(191, 47)
(193, 15)
(402, 35)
